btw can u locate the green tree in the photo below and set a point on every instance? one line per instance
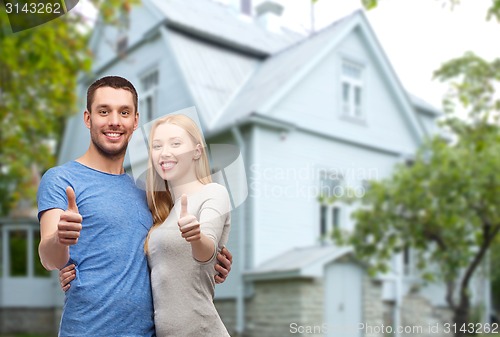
(38, 77)
(445, 206)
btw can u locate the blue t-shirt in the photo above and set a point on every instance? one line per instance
(111, 295)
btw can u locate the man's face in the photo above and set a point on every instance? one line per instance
(111, 121)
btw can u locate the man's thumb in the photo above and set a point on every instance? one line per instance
(184, 205)
(70, 193)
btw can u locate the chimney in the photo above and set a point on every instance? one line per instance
(269, 15)
(241, 6)
(246, 7)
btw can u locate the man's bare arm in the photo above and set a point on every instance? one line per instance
(58, 230)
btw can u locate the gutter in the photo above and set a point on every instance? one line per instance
(258, 119)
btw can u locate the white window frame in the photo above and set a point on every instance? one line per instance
(409, 257)
(356, 83)
(330, 208)
(148, 93)
(330, 222)
(5, 264)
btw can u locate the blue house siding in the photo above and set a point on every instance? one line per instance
(287, 177)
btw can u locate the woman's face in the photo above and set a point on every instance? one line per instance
(173, 154)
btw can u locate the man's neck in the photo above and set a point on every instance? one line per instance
(99, 162)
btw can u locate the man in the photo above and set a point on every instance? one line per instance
(93, 216)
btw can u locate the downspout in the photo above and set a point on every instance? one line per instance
(240, 293)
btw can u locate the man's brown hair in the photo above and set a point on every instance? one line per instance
(115, 82)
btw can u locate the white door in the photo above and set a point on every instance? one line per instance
(343, 299)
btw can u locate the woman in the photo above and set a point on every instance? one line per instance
(191, 223)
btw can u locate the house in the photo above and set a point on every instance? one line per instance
(30, 300)
(309, 114)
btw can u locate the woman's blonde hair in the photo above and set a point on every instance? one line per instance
(158, 194)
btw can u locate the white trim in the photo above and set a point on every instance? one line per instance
(354, 83)
(146, 116)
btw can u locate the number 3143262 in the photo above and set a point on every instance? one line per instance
(33, 8)
(472, 328)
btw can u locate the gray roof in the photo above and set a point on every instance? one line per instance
(228, 87)
(216, 22)
(299, 262)
(213, 74)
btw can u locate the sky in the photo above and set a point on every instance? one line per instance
(416, 35)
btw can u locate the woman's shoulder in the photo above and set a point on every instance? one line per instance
(216, 196)
(215, 187)
(215, 190)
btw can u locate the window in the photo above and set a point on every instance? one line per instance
(407, 261)
(148, 107)
(323, 220)
(332, 185)
(150, 81)
(335, 217)
(352, 90)
(147, 104)
(21, 258)
(18, 252)
(329, 219)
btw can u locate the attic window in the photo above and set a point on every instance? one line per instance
(352, 90)
(150, 81)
